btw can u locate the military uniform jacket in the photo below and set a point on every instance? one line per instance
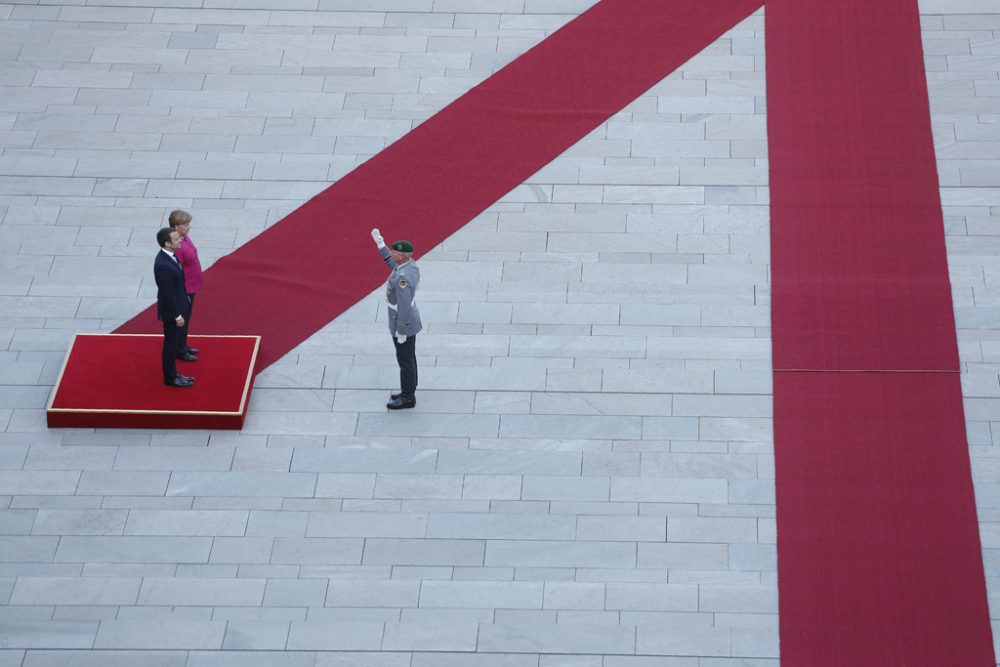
(401, 296)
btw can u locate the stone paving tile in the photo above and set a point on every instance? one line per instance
(174, 458)
(453, 637)
(706, 642)
(355, 659)
(46, 634)
(75, 591)
(256, 635)
(122, 483)
(498, 463)
(557, 639)
(302, 551)
(442, 552)
(171, 634)
(186, 522)
(328, 636)
(383, 424)
(500, 526)
(533, 553)
(16, 522)
(369, 593)
(129, 549)
(366, 524)
(295, 592)
(202, 591)
(358, 460)
(476, 660)
(79, 522)
(105, 658)
(621, 529)
(38, 482)
(253, 484)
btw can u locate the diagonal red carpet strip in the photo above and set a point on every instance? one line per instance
(879, 558)
(296, 276)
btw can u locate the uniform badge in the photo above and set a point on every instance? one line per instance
(402, 283)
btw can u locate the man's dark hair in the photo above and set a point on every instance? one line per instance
(163, 236)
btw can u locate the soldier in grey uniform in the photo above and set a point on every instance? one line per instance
(404, 318)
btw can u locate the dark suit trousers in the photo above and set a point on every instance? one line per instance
(171, 339)
(182, 343)
(406, 357)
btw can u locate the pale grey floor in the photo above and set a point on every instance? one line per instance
(588, 479)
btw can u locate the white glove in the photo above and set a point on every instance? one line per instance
(400, 339)
(377, 237)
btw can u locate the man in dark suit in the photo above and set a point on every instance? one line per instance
(172, 305)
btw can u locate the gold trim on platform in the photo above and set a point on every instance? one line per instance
(249, 380)
(62, 369)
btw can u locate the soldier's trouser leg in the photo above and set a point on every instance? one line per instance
(406, 357)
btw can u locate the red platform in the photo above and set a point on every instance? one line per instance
(115, 381)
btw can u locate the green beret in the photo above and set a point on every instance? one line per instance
(402, 246)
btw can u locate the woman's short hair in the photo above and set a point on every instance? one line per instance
(179, 217)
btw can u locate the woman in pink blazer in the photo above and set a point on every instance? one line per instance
(187, 254)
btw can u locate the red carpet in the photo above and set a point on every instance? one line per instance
(295, 277)
(879, 559)
(116, 381)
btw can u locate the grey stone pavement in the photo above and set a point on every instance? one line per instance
(588, 479)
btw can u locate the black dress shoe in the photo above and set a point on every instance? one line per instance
(393, 397)
(187, 356)
(192, 350)
(189, 378)
(403, 402)
(179, 381)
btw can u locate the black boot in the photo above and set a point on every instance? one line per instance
(403, 402)
(393, 397)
